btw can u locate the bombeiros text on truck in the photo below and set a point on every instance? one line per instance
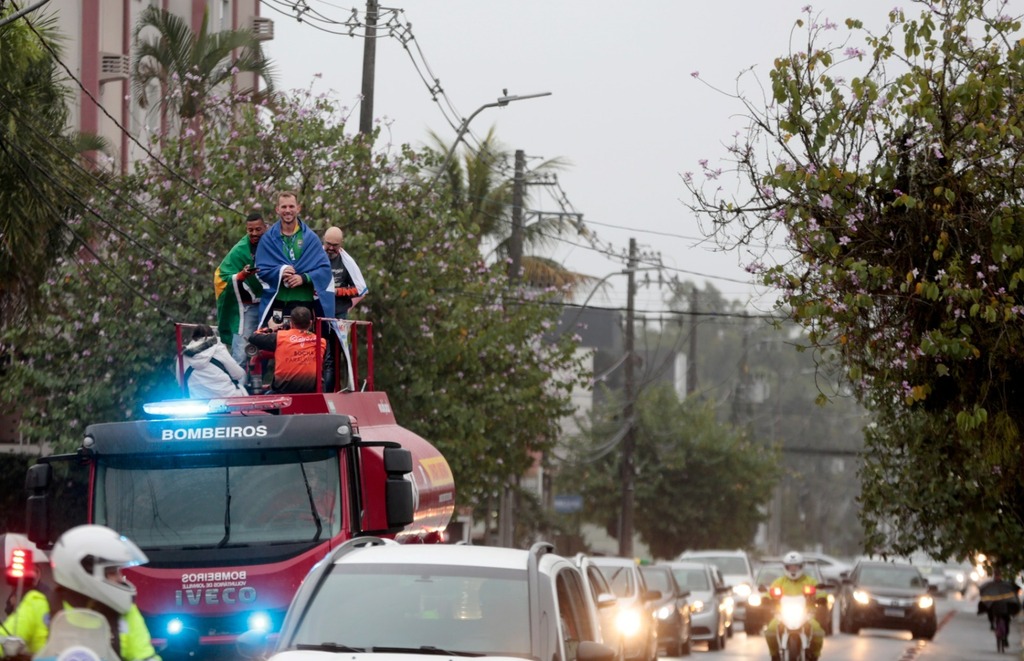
(234, 500)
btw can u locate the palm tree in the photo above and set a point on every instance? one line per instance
(481, 194)
(189, 66)
(42, 180)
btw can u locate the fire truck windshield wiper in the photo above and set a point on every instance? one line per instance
(227, 508)
(424, 649)
(330, 647)
(312, 503)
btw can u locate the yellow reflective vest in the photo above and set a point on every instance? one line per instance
(31, 619)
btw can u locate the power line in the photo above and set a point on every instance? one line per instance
(85, 244)
(122, 128)
(74, 162)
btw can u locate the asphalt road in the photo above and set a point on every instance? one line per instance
(962, 636)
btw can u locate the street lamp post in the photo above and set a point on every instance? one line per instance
(464, 126)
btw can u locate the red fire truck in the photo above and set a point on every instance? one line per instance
(234, 500)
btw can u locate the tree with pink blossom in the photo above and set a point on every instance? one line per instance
(889, 164)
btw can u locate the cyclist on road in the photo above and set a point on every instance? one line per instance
(1000, 599)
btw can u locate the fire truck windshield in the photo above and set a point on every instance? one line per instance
(239, 498)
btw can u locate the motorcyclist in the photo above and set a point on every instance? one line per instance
(86, 563)
(792, 583)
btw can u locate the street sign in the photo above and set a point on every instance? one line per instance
(567, 503)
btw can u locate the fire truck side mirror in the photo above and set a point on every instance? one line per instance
(398, 495)
(37, 515)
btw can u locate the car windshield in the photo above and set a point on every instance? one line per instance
(455, 608)
(657, 579)
(620, 578)
(890, 577)
(727, 564)
(692, 579)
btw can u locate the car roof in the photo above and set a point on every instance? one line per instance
(714, 552)
(612, 561)
(688, 564)
(885, 563)
(442, 554)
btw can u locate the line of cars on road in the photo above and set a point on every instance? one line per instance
(373, 596)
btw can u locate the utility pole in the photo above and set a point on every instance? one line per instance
(515, 242)
(369, 66)
(629, 442)
(691, 360)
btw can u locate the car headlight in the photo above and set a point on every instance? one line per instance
(754, 600)
(697, 606)
(628, 622)
(861, 597)
(665, 612)
(730, 605)
(925, 601)
(742, 590)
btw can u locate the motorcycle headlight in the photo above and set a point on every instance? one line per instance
(665, 612)
(742, 590)
(793, 612)
(754, 600)
(628, 622)
(861, 597)
(697, 606)
(925, 601)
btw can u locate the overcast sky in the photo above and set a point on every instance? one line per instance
(625, 109)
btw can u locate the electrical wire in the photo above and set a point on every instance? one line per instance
(77, 165)
(30, 181)
(122, 128)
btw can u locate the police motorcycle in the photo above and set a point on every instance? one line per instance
(794, 628)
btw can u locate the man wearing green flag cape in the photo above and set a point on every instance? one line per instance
(238, 290)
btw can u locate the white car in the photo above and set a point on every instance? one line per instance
(601, 593)
(737, 571)
(376, 600)
(831, 568)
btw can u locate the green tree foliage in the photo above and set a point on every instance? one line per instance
(460, 355)
(699, 482)
(40, 177)
(892, 164)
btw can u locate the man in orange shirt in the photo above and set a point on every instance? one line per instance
(295, 353)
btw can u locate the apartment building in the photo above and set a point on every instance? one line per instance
(97, 49)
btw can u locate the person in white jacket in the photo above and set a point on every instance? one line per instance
(210, 371)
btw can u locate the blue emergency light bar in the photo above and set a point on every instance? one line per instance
(190, 408)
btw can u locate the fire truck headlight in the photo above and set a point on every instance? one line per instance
(174, 627)
(259, 621)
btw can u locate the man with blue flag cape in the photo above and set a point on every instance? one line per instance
(294, 268)
(292, 265)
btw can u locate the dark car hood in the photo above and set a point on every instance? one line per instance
(886, 591)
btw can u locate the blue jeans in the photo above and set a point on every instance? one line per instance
(250, 320)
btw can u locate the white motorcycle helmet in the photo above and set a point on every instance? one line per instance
(793, 563)
(88, 560)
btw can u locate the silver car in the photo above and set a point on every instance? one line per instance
(711, 601)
